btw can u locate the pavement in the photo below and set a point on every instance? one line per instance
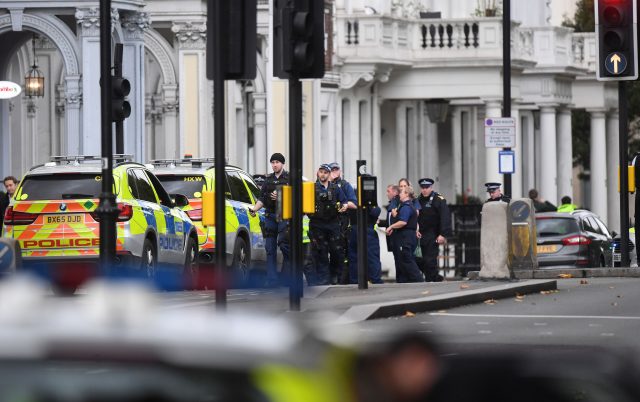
(348, 304)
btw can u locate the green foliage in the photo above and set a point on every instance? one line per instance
(584, 19)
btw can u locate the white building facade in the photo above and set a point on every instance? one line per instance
(388, 59)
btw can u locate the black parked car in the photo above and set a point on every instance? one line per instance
(617, 257)
(577, 240)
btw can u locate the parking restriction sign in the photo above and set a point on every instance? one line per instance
(500, 132)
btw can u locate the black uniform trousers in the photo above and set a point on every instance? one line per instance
(405, 242)
(326, 240)
(430, 250)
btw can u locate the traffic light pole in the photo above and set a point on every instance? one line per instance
(295, 230)
(623, 129)
(219, 144)
(363, 260)
(506, 77)
(107, 210)
(117, 71)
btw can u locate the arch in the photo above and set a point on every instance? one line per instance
(162, 51)
(55, 30)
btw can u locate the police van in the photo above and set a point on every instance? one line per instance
(53, 217)
(192, 176)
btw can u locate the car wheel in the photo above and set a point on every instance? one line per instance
(190, 271)
(149, 259)
(240, 265)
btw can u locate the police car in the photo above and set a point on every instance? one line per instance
(53, 216)
(191, 176)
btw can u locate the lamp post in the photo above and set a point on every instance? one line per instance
(34, 80)
(437, 110)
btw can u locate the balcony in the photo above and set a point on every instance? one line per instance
(405, 42)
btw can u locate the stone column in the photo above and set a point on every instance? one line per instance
(260, 130)
(430, 147)
(565, 155)
(493, 108)
(548, 155)
(456, 151)
(401, 140)
(89, 143)
(170, 127)
(194, 109)
(71, 140)
(134, 25)
(376, 163)
(517, 177)
(613, 161)
(598, 164)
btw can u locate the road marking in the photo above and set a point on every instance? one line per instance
(198, 303)
(485, 331)
(546, 333)
(539, 324)
(482, 323)
(607, 334)
(590, 317)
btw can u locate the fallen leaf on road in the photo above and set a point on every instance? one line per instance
(464, 286)
(409, 314)
(442, 311)
(614, 304)
(548, 292)
(519, 298)
(583, 282)
(612, 287)
(565, 276)
(426, 292)
(490, 301)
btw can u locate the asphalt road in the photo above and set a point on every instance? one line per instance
(600, 312)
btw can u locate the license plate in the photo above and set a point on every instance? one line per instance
(547, 249)
(63, 218)
(617, 257)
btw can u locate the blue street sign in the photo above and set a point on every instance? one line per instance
(6, 256)
(615, 63)
(506, 162)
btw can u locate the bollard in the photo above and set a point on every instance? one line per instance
(495, 241)
(524, 254)
(10, 256)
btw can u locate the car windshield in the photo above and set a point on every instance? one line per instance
(546, 227)
(97, 381)
(61, 186)
(189, 185)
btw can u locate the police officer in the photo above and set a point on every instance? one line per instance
(275, 233)
(434, 227)
(339, 272)
(403, 229)
(324, 226)
(373, 248)
(495, 194)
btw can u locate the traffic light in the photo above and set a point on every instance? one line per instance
(617, 45)
(298, 33)
(237, 27)
(120, 108)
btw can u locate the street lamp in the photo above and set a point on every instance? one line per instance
(34, 80)
(437, 110)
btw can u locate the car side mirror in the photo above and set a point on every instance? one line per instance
(180, 200)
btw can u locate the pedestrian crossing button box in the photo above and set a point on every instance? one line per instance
(367, 191)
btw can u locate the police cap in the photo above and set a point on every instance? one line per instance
(334, 165)
(325, 166)
(426, 182)
(492, 186)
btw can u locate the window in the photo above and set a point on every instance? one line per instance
(603, 227)
(253, 188)
(547, 227)
(594, 225)
(588, 227)
(238, 190)
(132, 179)
(162, 193)
(145, 190)
(61, 186)
(189, 185)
